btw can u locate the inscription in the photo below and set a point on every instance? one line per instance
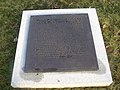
(60, 43)
(52, 21)
(55, 51)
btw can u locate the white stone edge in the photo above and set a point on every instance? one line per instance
(17, 84)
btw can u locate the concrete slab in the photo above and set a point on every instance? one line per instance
(101, 77)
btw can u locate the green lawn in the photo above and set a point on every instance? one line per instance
(10, 17)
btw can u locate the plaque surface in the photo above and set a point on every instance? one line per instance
(58, 43)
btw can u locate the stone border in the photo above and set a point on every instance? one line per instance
(102, 77)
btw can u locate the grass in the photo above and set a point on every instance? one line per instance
(10, 17)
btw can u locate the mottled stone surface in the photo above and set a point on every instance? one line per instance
(60, 43)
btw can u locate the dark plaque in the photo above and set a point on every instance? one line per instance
(58, 43)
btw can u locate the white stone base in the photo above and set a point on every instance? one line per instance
(102, 77)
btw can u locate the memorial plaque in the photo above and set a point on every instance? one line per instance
(58, 43)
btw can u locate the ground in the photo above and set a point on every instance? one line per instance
(10, 16)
